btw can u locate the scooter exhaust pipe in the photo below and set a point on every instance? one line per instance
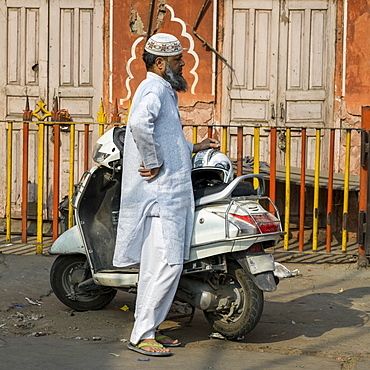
(198, 294)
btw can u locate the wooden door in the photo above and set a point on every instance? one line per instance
(306, 67)
(76, 56)
(23, 66)
(254, 57)
(282, 53)
(76, 75)
(52, 48)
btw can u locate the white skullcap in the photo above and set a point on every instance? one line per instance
(163, 44)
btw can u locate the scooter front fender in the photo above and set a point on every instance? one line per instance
(70, 242)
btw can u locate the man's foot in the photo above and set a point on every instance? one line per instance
(150, 347)
(166, 340)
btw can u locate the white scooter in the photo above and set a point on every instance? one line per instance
(228, 269)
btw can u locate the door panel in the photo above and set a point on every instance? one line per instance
(303, 51)
(254, 48)
(76, 56)
(26, 47)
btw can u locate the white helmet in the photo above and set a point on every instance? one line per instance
(214, 165)
(108, 149)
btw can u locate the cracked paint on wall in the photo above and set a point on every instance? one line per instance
(134, 21)
(131, 22)
(136, 24)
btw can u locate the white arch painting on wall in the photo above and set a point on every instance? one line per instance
(190, 51)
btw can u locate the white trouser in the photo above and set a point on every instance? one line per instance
(157, 286)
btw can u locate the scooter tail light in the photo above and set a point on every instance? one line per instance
(245, 224)
(264, 223)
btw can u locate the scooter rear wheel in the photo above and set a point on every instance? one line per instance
(65, 275)
(245, 310)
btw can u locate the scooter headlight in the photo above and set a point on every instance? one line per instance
(98, 156)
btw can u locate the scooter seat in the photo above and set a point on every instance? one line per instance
(242, 189)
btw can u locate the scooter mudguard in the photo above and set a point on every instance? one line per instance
(70, 242)
(260, 269)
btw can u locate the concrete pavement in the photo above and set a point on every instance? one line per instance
(49, 353)
(319, 319)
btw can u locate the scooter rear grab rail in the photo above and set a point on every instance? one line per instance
(225, 193)
(257, 223)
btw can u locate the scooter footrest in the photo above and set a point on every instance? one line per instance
(118, 270)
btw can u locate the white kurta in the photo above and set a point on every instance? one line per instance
(155, 137)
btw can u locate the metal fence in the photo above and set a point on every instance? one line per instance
(314, 193)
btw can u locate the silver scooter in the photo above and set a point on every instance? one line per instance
(228, 269)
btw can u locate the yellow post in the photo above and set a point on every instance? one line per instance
(315, 230)
(102, 118)
(287, 189)
(71, 174)
(128, 111)
(40, 172)
(224, 140)
(195, 134)
(9, 182)
(256, 154)
(40, 187)
(346, 191)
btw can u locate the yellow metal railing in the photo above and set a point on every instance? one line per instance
(41, 114)
(195, 134)
(224, 140)
(71, 172)
(40, 186)
(102, 118)
(256, 152)
(220, 131)
(316, 192)
(346, 190)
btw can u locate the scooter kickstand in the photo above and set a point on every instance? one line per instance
(188, 323)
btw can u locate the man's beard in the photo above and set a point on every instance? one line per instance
(177, 82)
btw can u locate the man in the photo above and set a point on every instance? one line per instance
(157, 206)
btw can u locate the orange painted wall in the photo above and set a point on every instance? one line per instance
(358, 56)
(130, 22)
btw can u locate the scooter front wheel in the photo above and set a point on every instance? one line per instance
(66, 273)
(245, 307)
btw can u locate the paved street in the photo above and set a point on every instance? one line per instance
(49, 353)
(318, 319)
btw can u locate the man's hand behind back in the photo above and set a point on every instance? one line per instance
(149, 173)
